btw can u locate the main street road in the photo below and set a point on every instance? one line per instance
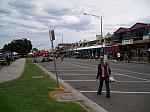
(130, 93)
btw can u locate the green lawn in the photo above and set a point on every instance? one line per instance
(26, 94)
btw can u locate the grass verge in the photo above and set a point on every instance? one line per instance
(28, 94)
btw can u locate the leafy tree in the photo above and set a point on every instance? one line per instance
(21, 46)
(5, 48)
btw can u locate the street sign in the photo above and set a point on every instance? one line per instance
(51, 35)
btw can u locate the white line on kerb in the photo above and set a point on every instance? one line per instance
(121, 92)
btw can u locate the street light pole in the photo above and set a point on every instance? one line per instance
(101, 25)
(149, 48)
(62, 39)
(99, 17)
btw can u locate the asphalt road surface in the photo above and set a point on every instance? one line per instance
(130, 93)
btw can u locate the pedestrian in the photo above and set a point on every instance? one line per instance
(125, 57)
(118, 56)
(7, 60)
(101, 59)
(62, 57)
(103, 74)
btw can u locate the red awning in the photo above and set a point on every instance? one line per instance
(46, 52)
(112, 49)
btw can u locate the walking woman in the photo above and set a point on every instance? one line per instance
(103, 74)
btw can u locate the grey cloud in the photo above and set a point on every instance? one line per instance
(82, 25)
(58, 12)
(23, 6)
(4, 11)
(26, 9)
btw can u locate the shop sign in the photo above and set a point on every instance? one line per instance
(145, 37)
(126, 42)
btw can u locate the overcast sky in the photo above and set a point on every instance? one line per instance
(32, 19)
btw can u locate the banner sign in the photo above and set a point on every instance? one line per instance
(126, 42)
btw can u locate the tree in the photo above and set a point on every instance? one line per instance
(5, 48)
(21, 46)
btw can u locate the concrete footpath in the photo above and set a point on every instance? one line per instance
(12, 71)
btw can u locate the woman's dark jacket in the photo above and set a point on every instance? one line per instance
(99, 73)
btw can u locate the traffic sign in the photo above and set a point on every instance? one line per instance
(51, 35)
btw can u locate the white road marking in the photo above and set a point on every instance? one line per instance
(68, 67)
(130, 71)
(78, 74)
(134, 77)
(134, 81)
(121, 92)
(79, 80)
(71, 70)
(95, 81)
(116, 69)
(83, 65)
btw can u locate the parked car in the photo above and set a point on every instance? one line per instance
(2, 60)
(47, 58)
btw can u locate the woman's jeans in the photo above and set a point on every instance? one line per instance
(106, 84)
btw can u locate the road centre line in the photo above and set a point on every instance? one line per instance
(95, 81)
(83, 65)
(120, 92)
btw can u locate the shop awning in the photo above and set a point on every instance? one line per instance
(112, 49)
(90, 47)
(46, 52)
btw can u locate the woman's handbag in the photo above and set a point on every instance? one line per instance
(112, 78)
